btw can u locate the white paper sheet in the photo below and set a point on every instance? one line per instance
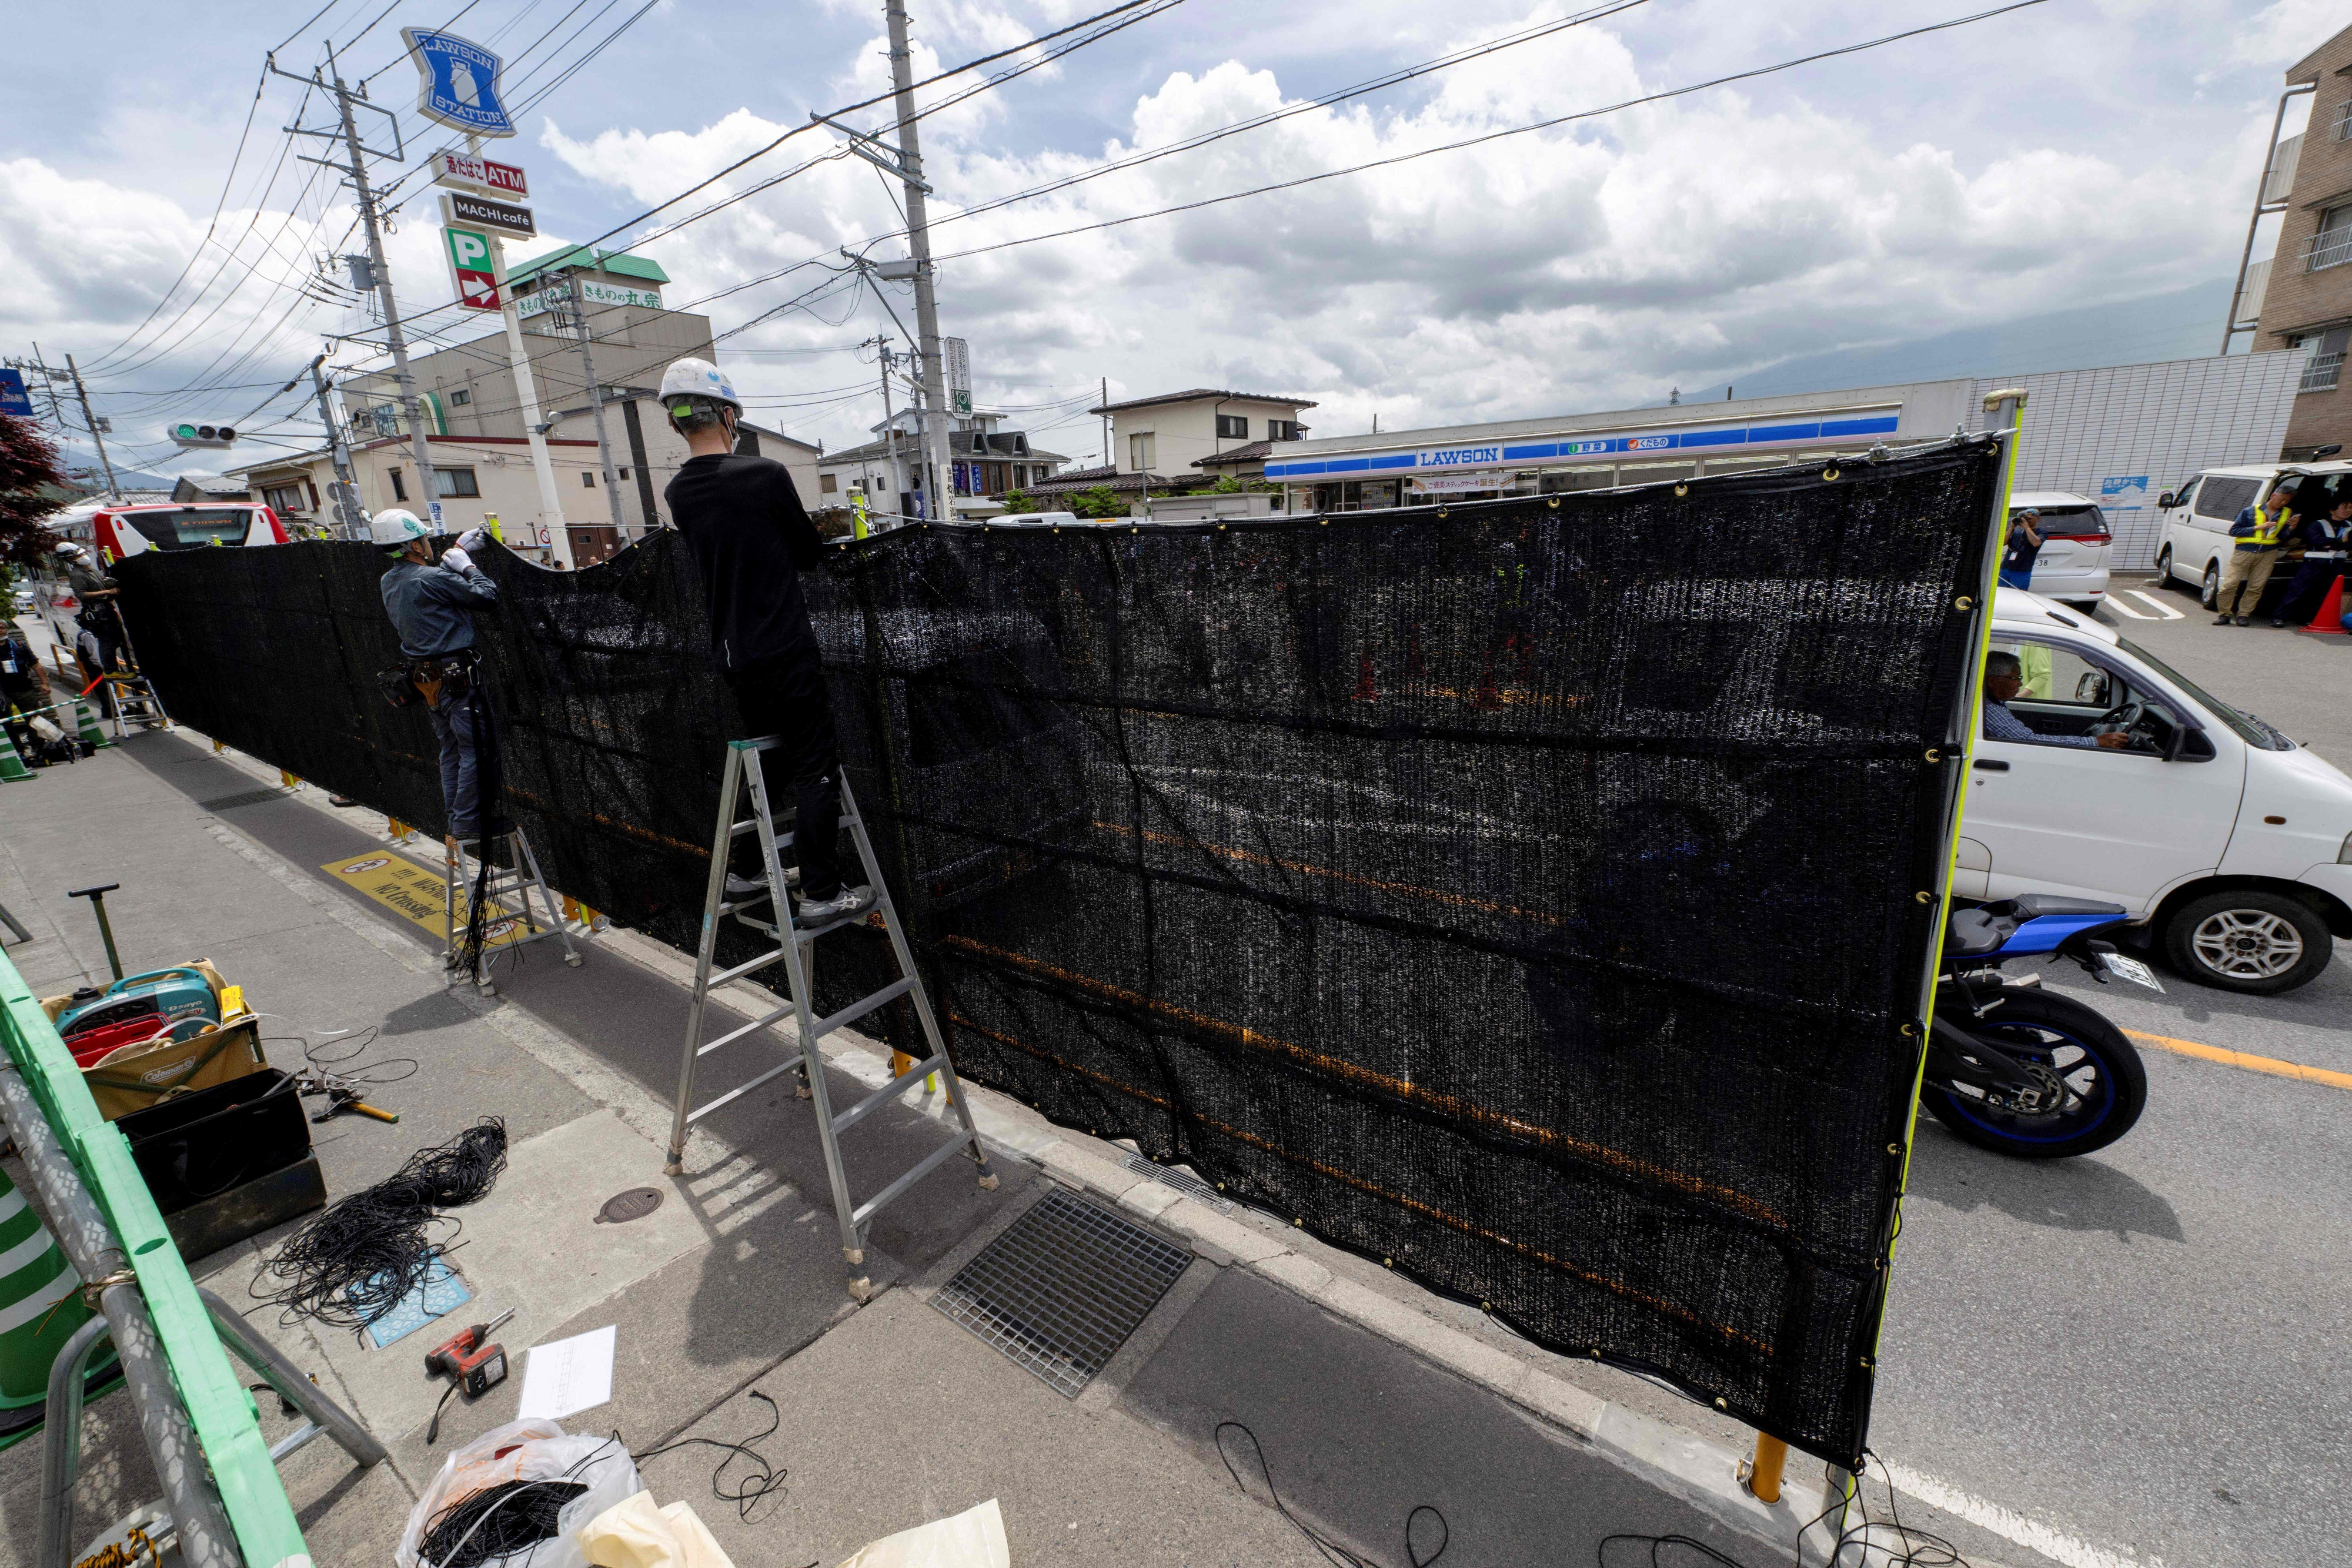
(566, 1375)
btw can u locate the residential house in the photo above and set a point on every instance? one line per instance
(886, 470)
(1171, 433)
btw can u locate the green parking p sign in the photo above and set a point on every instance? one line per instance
(469, 267)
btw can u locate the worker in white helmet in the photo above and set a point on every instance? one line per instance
(98, 637)
(751, 539)
(429, 603)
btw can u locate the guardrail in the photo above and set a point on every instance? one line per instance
(199, 1422)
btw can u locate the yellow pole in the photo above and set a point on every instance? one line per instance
(1761, 1471)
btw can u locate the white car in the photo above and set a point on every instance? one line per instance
(2075, 543)
(2229, 842)
(2196, 518)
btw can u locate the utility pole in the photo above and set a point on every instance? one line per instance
(940, 504)
(91, 420)
(890, 438)
(428, 482)
(339, 452)
(1105, 405)
(596, 404)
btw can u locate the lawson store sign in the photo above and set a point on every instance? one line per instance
(1780, 432)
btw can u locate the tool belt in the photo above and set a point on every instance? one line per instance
(413, 679)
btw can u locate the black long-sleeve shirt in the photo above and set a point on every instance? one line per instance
(744, 524)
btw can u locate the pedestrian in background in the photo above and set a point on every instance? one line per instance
(2327, 542)
(2261, 532)
(2024, 544)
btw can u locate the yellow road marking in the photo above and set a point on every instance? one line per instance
(2270, 1064)
(415, 894)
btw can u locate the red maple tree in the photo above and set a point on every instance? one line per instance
(29, 482)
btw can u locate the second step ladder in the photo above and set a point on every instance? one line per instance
(794, 946)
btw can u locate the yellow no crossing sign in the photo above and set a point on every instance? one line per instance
(417, 894)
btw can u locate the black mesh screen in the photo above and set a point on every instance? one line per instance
(1524, 893)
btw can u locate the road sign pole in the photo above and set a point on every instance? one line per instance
(551, 500)
(428, 482)
(91, 420)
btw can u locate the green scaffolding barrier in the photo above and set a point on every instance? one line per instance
(223, 1413)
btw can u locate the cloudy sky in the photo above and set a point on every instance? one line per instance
(2062, 184)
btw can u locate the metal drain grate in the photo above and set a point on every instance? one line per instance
(1185, 1182)
(249, 798)
(1060, 1291)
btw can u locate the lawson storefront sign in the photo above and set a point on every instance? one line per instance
(1698, 439)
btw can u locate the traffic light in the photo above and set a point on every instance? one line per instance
(203, 435)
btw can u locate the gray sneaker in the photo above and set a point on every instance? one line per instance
(742, 887)
(848, 901)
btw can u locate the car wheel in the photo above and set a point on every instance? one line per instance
(2248, 940)
(2164, 566)
(2210, 594)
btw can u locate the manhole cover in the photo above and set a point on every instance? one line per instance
(248, 798)
(1060, 1291)
(635, 1204)
(1185, 1182)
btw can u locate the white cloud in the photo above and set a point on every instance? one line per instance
(1575, 267)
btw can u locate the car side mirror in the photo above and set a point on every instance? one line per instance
(2092, 688)
(2166, 501)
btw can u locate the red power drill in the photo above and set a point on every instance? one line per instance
(471, 1363)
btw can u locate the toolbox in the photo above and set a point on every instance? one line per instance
(228, 1161)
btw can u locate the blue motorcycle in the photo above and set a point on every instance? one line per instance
(2018, 1070)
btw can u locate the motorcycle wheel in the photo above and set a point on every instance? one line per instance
(2109, 1087)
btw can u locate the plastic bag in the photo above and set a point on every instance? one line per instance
(972, 1539)
(637, 1534)
(528, 1451)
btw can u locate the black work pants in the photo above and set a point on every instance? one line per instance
(786, 698)
(2309, 587)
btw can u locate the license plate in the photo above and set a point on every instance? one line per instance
(2131, 969)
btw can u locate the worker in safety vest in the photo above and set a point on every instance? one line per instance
(2261, 531)
(750, 539)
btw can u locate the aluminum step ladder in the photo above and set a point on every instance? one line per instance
(520, 878)
(794, 944)
(135, 702)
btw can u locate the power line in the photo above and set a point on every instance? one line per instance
(1492, 135)
(868, 103)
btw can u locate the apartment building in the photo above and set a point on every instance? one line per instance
(2300, 298)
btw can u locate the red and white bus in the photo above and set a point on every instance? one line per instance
(120, 531)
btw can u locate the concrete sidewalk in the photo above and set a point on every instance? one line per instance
(1366, 1396)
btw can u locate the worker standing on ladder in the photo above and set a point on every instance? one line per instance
(429, 604)
(751, 538)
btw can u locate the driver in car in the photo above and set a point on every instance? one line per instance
(2003, 676)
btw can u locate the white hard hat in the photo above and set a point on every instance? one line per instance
(68, 550)
(698, 378)
(396, 528)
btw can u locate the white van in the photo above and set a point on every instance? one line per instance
(2196, 518)
(2231, 844)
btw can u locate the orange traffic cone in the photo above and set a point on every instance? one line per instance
(2329, 621)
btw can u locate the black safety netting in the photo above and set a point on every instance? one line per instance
(1525, 894)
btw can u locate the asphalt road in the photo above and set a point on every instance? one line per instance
(2147, 1354)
